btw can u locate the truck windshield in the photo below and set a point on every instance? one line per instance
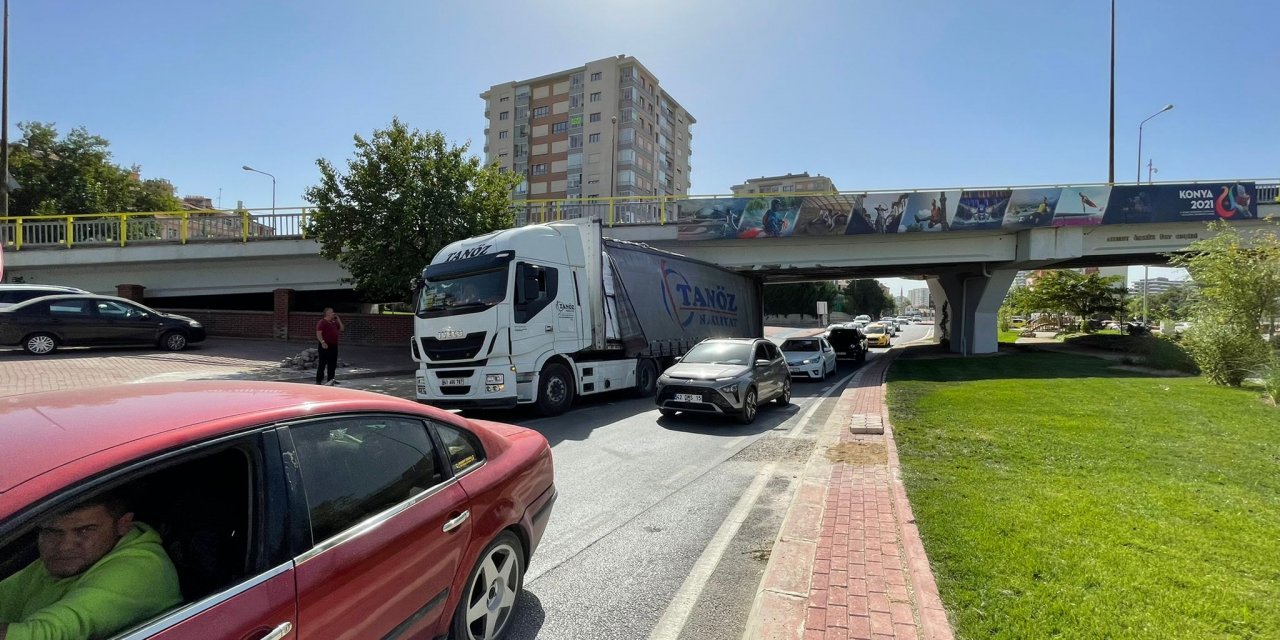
(466, 293)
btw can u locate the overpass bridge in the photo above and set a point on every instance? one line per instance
(965, 243)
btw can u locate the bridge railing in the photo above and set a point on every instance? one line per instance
(122, 229)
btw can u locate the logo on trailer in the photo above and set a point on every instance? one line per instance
(688, 303)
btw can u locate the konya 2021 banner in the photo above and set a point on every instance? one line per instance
(962, 210)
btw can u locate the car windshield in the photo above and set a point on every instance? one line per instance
(874, 329)
(462, 294)
(800, 345)
(719, 353)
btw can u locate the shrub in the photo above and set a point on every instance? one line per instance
(1271, 379)
(1227, 354)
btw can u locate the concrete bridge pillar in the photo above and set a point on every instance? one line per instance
(282, 307)
(972, 300)
(130, 291)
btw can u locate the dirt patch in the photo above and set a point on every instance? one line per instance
(762, 555)
(770, 448)
(858, 452)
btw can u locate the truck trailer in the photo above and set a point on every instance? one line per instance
(541, 314)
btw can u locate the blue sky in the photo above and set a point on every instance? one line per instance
(874, 94)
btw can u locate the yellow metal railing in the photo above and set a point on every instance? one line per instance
(123, 229)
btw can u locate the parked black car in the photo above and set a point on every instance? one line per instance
(11, 294)
(44, 324)
(849, 342)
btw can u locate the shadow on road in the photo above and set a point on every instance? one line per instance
(527, 617)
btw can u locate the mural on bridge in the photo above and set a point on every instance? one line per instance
(961, 210)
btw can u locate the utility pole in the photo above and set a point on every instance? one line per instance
(1111, 152)
(4, 121)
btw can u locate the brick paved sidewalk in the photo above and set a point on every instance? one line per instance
(849, 562)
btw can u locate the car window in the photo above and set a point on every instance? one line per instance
(800, 345)
(110, 309)
(772, 350)
(70, 308)
(202, 512)
(354, 468)
(826, 346)
(462, 448)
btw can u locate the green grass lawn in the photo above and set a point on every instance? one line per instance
(1007, 337)
(1059, 498)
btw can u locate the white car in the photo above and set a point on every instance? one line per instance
(890, 325)
(811, 357)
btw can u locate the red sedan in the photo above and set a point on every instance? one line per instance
(287, 511)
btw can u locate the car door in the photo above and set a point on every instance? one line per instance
(73, 320)
(121, 323)
(781, 375)
(387, 526)
(828, 355)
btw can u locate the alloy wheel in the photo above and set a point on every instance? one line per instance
(492, 594)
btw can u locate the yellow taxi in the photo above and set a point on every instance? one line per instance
(877, 335)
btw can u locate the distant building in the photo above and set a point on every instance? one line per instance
(197, 203)
(801, 182)
(606, 128)
(919, 298)
(1155, 286)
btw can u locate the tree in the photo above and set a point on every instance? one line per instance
(798, 298)
(405, 195)
(867, 297)
(1238, 278)
(1173, 304)
(1083, 296)
(74, 174)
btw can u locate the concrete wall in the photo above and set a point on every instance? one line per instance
(361, 328)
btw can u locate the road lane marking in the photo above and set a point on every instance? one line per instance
(677, 613)
(817, 402)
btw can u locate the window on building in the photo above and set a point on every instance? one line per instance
(541, 112)
(595, 76)
(540, 169)
(595, 97)
(575, 80)
(522, 113)
(626, 177)
(574, 181)
(627, 72)
(523, 187)
(521, 150)
(595, 117)
(502, 135)
(504, 115)
(627, 115)
(502, 157)
(575, 160)
(595, 137)
(504, 99)
(575, 141)
(560, 127)
(593, 178)
(575, 101)
(627, 155)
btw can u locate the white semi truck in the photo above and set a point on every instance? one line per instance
(541, 314)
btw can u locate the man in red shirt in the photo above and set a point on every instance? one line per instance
(327, 332)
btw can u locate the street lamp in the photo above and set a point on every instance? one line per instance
(273, 184)
(1167, 107)
(613, 154)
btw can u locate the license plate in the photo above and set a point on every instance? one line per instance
(688, 397)
(453, 382)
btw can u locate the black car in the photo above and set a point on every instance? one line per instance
(849, 343)
(44, 324)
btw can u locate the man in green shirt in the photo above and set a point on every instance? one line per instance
(99, 572)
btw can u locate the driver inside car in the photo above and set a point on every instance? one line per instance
(99, 572)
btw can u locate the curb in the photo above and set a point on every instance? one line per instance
(781, 605)
(354, 375)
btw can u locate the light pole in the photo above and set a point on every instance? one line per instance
(613, 154)
(273, 185)
(4, 121)
(1167, 107)
(1111, 151)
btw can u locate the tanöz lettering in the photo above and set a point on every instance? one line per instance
(468, 253)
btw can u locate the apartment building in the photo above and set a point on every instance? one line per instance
(801, 182)
(604, 129)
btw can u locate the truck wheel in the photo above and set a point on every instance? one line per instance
(646, 378)
(555, 390)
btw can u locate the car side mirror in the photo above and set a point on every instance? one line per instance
(763, 363)
(145, 316)
(678, 359)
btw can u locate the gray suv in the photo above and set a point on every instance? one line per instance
(727, 377)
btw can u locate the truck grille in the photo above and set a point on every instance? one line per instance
(460, 349)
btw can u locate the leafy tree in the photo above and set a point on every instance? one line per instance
(74, 174)
(1083, 296)
(866, 296)
(1238, 278)
(798, 298)
(404, 196)
(1173, 304)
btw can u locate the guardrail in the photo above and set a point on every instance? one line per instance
(123, 229)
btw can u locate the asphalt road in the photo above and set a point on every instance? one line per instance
(663, 526)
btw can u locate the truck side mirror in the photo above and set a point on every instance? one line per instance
(415, 283)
